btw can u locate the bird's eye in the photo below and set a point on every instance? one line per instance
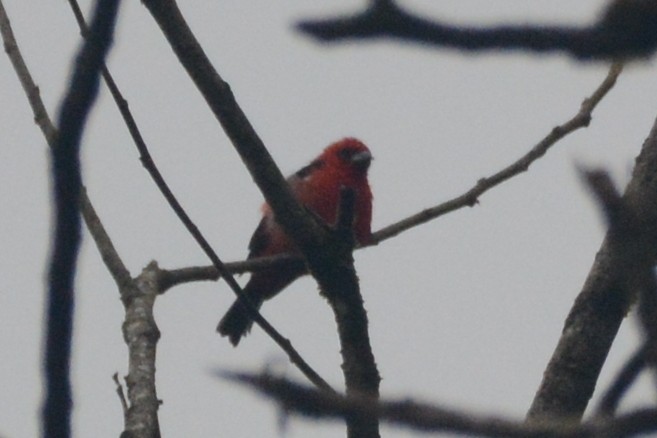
(346, 154)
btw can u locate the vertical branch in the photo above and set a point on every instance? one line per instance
(358, 364)
(141, 335)
(339, 284)
(67, 185)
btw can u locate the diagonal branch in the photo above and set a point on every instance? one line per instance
(31, 90)
(470, 198)
(218, 265)
(322, 247)
(593, 321)
(305, 230)
(42, 119)
(626, 227)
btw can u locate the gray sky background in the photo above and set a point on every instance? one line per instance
(464, 311)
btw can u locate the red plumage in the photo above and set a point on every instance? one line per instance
(317, 186)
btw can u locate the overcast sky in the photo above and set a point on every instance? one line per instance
(464, 311)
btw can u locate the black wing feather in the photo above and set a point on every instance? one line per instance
(259, 241)
(310, 168)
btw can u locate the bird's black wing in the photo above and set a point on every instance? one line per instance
(259, 240)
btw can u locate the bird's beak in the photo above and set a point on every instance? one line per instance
(362, 160)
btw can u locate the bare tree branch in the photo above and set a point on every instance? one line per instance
(627, 29)
(31, 90)
(594, 319)
(341, 289)
(143, 408)
(470, 198)
(322, 247)
(625, 226)
(423, 417)
(141, 334)
(143, 411)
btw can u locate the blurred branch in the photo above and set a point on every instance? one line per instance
(626, 29)
(592, 324)
(67, 187)
(322, 247)
(423, 417)
(647, 311)
(621, 384)
(141, 417)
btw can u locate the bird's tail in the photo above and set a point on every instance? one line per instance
(262, 286)
(237, 322)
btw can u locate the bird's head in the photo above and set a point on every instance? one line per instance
(348, 153)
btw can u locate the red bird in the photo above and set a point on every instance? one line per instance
(317, 187)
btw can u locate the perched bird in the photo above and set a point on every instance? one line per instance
(316, 186)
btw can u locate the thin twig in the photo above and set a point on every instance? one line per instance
(42, 119)
(121, 394)
(174, 277)
(470, 198)
(218, 265)
(283, 342)
(31, 90)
